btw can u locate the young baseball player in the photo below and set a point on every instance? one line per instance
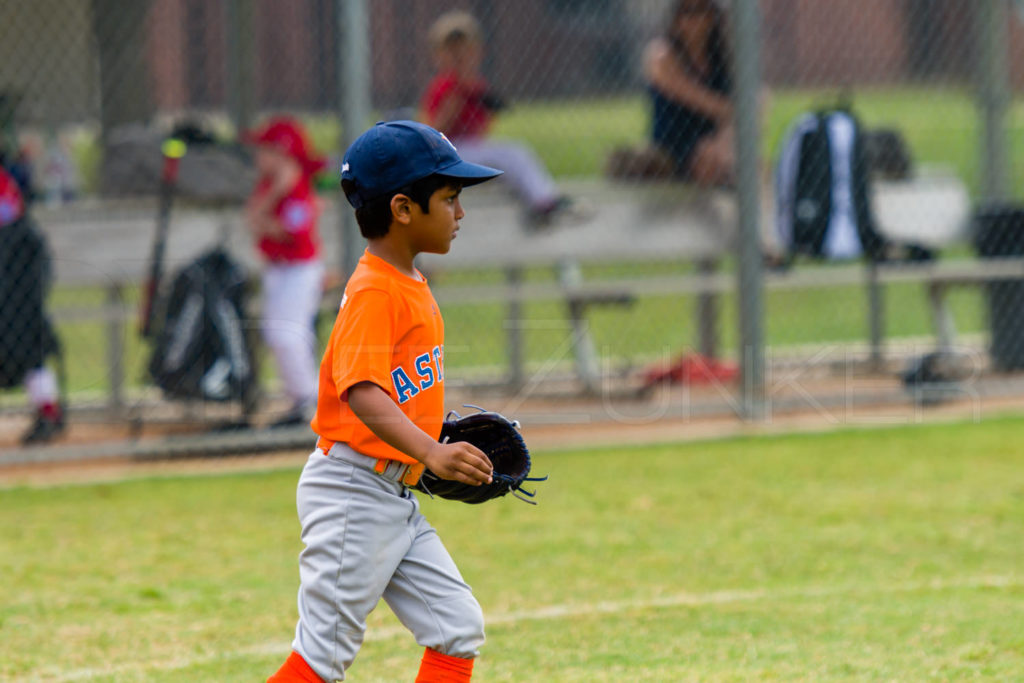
(460, 103)
(282, 215)
(379, 413)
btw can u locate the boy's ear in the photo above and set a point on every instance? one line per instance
(401, 208)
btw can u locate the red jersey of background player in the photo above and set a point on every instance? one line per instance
(297, 212)
(11, 204)
(473, 119)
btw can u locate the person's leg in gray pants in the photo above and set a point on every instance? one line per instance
(366, 539)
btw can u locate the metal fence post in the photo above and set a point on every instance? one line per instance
(992, 64)
(118, 29)
(354, 92)
(514, 337)
(747, 48)
(114, 314)
(239, 62)
(876, 316)
(707, 311)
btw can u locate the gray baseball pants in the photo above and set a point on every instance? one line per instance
(365, 540)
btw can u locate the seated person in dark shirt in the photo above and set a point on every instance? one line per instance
(689, 82)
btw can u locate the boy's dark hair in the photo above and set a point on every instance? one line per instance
(374, 217)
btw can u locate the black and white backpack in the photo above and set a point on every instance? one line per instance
(202, 350)
(823, 189)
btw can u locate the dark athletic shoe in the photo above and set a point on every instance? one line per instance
(46, 428)
(562, 211)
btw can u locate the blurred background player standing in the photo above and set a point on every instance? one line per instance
(26, 336)
(459, 102)
(282, 214)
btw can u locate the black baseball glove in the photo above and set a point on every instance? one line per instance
(499, 438)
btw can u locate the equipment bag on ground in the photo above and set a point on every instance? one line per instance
(202, 349)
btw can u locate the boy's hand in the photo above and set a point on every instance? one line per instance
(459, 461)
(456, 461)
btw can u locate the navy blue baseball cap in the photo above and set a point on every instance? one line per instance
(394, 154)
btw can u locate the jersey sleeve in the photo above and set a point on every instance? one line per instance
(364, 343)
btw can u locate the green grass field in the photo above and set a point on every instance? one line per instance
(876, 554)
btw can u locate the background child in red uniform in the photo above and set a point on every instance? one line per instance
(282, 215)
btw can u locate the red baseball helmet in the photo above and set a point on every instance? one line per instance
(11, 204)
(288, 136)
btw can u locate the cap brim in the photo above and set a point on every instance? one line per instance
(313, 165)
(469, 174)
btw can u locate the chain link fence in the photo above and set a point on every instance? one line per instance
(886, 153)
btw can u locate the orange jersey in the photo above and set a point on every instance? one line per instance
(388, 331)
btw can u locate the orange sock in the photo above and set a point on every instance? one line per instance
(439, 668)
(295, 670)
